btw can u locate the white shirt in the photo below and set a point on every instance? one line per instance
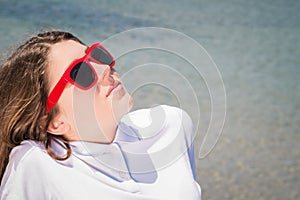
(150, 158)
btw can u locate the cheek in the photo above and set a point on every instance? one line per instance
(101, 103)
(65, 101)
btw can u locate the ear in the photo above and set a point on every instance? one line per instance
(59, 126)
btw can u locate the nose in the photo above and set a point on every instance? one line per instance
(107, 77)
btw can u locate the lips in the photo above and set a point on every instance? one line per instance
(111, 88)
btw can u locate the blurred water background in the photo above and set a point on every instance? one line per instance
(256, 46)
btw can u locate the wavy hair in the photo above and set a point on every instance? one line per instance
(24, 90)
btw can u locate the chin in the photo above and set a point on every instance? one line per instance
(130, 103)
(122, 106)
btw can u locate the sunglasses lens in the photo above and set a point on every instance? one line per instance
(101, 55)
(82, 74)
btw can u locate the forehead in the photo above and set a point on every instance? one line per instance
(61, 55)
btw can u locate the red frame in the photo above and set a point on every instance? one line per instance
(61, 84)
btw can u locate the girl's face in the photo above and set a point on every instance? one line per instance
(80, 111)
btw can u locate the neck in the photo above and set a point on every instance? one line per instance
(104, 132)
(109, 133)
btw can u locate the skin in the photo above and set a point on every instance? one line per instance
(111, 100)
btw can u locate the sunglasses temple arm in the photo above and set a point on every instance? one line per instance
(55, 94)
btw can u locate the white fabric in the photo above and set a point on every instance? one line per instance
(151, 158)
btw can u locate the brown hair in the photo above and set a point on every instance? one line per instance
(23, 93)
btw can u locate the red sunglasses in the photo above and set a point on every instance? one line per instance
(81, 73)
